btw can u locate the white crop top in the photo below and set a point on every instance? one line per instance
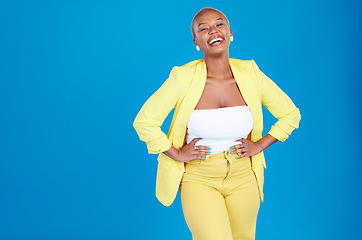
(219, 127)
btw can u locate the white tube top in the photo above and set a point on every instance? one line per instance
(219, 127)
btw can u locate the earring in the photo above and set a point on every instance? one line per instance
(231, 38)
(197, 48)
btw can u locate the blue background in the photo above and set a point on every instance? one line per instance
(74, 74)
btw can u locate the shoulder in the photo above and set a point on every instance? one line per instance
(190, 66)
(180, 76)
(185, 72)
(243, 64)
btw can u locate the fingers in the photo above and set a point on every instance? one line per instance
(240, 149)
(240, 140)
(242, 155)
(202, 148)
(200, 157)
(241, 145)
(190, 151)
(237, 151)
(201, 152)
(195, 140)
(238, 146)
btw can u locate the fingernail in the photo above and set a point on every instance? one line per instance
(231, 148)
(204, 157)
(209, 148)
(232, 152)
(209, 152)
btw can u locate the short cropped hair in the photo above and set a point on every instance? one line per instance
(204, 10)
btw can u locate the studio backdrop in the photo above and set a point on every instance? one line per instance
(74, 74)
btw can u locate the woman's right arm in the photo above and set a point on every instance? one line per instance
(152, 115)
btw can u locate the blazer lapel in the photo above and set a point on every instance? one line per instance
(191, 99)
(246, 87)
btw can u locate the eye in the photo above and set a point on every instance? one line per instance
(220, 24)
(202, 29)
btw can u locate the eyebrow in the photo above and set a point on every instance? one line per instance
(215, 20)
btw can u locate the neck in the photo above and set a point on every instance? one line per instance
(218, 66)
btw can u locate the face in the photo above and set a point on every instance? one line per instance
(212, 33)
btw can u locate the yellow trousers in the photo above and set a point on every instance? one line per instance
(220, 197)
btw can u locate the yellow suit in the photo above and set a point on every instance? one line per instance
(182, 91)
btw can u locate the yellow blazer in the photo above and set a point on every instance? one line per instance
(182, 91)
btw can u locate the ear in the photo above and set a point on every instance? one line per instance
(195, 42)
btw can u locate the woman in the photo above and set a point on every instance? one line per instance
(213, 152)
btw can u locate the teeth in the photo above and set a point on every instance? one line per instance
(215, 40)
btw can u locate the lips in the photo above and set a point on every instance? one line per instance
(215, 40)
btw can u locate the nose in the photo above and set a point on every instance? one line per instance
(212, 30)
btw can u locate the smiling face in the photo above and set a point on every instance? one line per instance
(211, 32)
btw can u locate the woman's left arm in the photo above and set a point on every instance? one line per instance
(281, 107)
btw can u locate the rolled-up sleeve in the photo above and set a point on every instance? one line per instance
(280, 106)
(153, 113)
